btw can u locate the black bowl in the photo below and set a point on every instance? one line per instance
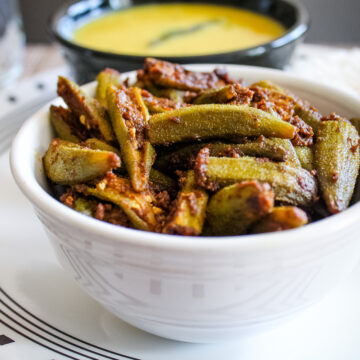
(85, 63)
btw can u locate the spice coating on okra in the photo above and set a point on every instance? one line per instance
(181, 152)
(337, 159)
(175, 76)
(88, 110)
(216, 121)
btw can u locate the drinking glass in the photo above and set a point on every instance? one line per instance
(12, 42)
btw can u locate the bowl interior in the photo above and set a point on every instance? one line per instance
(69, 18)
(34, 137)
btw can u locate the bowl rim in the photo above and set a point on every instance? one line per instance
(298, 30)
(49, 205)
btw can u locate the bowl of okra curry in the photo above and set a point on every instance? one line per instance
(212, 190)
(121, 34)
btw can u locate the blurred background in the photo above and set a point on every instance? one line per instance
(333, 21)
(36, 65)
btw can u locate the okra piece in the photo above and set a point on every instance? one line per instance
(149, 154)
(78, 202)
(90, 112)
(215, 120)
(281, 218)
(262, 147)
(309, 115)
(129, 119)
(68, 163)
(291, 108)
(190, 209)
(306, 156)
(160, 104)
(267, 84)
(233, 209)
(97, 144)
(84, 206)
(292, 185)
(162, 181)
(107, 77)
(137, 206)
(139, 100)
(174, 76)
(171, 94)
(337, 163)
(216, 96)
(356, 123)
(292, 158)
(279, 92)
(65, 124)
(184, 158)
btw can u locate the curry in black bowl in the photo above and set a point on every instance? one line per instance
(121, 34)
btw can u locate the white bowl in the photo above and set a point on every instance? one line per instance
(187, 288)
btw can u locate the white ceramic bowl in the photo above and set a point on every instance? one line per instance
(187, 288)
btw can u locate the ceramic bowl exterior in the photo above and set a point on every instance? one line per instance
(187, 288)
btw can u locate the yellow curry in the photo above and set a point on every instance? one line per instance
(177, 30)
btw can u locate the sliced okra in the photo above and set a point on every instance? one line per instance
(292, 185)
(216, 96)
(84, 206)
(174, 76)
(67, 125)
(309, 115)
(97, 144)
(136, 205)
(68, 163)
(281, 218)
(292, 158)
(184, 158)
(306, 156)
(233, 209)
(89, 111)
(129, 118)
(337, 163)
(189, 210)
(107, 77)
(215, 120)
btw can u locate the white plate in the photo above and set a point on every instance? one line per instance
(49, 318)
